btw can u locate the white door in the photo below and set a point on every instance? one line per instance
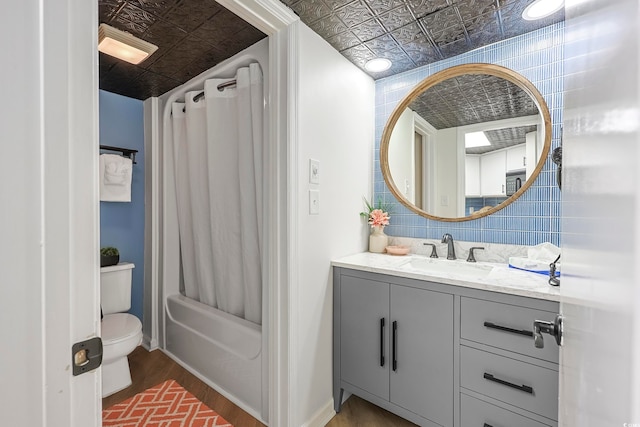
(48, 211)
(600, 359)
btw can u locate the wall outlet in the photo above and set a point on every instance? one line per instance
(314, 171)
(314, 202)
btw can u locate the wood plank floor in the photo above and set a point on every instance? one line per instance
(152, 368)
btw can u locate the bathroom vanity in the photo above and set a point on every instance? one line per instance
(445, 343)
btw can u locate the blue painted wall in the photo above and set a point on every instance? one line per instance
(122, 224)
(533, 218)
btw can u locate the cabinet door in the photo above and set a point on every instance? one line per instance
(422, 380)
(493, 171)
(472, 176)
(516, 158)
(363, 340)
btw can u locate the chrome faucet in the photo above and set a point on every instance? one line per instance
(448, 239)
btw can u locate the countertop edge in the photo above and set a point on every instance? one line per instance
(486, 285)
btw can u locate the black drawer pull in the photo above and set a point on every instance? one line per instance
(394, 328)
(507, 329)
(524, 388)
(382, 342)
(487, 425)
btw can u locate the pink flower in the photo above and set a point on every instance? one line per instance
(378, 218)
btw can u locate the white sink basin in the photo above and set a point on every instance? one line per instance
(448, 267)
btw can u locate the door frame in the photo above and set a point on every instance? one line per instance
(275, 20)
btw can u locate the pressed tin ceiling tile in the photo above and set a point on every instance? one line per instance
(396, 18)
(336, 4)
(358, 54)
(190, 14)
(311, 10)
(353, 13)
(133, 27)
(472, 99)
(155, 7)
(219, 27)
(343, 41)
(422, 8)
(329, 26)
(381, 6)
(409, 32)
(470, 8)
(135, 14)
(186, 33)
(441, 20)
(368, 30)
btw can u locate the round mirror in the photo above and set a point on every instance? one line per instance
(465, 142)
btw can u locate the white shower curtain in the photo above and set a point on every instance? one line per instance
(218, 172)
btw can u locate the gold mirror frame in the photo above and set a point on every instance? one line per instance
(434, 79)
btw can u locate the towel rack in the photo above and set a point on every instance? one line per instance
(126, 152)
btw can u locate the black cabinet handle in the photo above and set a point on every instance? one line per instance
(382, 342)
(508, 329)
(524, 388)
(487, 425)
(395, 339)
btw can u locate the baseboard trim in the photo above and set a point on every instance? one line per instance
(149, 344)
(322, 416)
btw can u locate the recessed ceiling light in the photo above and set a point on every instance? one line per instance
(475, 139)
(541, 9)
(377, 64)
(123, 45)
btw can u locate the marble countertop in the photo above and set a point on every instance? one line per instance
(495, 277)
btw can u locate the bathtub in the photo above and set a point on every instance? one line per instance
(225, 351)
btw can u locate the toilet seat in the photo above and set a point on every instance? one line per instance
(119, 327)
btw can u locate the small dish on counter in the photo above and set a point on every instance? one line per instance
(398, 249)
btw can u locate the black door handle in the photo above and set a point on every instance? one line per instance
(524, 388)
(508, 329)
(382, 342)
(394, 328)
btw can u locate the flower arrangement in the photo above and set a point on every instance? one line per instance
(377, 214)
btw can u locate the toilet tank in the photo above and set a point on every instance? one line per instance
(115, 288)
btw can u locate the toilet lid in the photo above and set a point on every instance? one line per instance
(119, 326)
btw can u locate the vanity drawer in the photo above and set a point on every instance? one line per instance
(518, 383)
(505, 326)
(476, 413)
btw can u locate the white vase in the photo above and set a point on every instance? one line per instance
(378, 241)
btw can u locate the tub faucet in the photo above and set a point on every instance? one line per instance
(448, 239)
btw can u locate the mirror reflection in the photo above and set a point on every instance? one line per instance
(465, 142)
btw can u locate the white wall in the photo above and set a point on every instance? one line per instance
(401, 160)
(335, 112)
(446, 201)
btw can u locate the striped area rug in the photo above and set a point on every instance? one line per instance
(165, 405)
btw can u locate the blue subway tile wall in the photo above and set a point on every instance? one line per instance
(533, 218)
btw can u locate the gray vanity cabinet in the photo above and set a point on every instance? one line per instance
(364, 337)
(422, 377)
(443, 355)
(394, 347)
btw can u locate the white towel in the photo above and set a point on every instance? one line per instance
(115, 178)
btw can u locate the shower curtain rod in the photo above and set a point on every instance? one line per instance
(221, 87)
(126, 152)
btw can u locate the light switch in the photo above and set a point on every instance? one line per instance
(314, 171)
(314, 202)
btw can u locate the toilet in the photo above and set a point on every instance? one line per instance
(121, 332)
